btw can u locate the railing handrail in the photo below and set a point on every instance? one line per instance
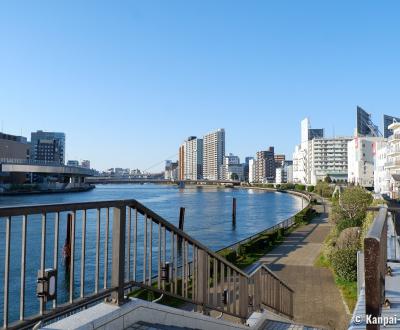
(264, 266)
(239, 279)
(277, 225)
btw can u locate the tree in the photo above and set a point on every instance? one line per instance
(328, 179)
(234, 177)
(353, 203)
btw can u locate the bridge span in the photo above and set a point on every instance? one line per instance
(106, 180)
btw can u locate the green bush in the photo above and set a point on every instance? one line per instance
(344, 263)
(323, 189)
(287, 186)
(347, 223)
(310, 188)
(300, 187)
(229, 255)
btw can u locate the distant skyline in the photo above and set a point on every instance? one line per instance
(129, 81)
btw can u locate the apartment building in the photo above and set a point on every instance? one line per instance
(213, 154)
(193, 159)
(393, 160)
(265, 166)
(381, 173)
(328, 157)
(361, 160)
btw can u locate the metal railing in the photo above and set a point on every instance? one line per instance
(126, 246)
(285, 224)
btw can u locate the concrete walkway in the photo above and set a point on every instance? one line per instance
(317, 300)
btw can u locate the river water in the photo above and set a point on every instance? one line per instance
(207, 219)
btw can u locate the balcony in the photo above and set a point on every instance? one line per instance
(394, 138)
(392, 164)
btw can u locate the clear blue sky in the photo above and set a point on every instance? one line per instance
(128, 81)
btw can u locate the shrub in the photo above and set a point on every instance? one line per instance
(347, 223)
(287, 186)
(310, 188)
(344, 263)
(349, 238)
(323, 189)
(229, 255)
(300, 187)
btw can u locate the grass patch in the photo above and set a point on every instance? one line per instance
(321, 261)
(149, 295)
(349, 292)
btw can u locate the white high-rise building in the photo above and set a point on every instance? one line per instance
(393, 160)
(213, 154)
(232, 169)
(328, 157)
(193, 159)
(361, 153)
(252, 175)
(317, 157)
(381, 173)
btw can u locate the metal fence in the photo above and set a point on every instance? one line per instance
(127, 247)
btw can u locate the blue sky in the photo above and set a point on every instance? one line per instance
(128, 81)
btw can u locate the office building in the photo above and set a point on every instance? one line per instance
(13, 147)
(171, 170)
(193, 159)
(85, 163)
(213, 154)
(246, 168)
(387, 120)
(361, 160)
(232, 168)
(48, 147)
(365, 126)
(73, 163)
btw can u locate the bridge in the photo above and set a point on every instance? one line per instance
(9, 165)
(121, 180)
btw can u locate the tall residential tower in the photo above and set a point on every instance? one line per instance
(213, 154)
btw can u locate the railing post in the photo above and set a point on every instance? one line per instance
(118, 255)
(257, 290)
(375, 266)
(243, 298)
(202, 280)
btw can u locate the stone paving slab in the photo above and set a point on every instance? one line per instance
(317, 300)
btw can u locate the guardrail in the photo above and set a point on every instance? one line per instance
(146, 252)
(285, 224)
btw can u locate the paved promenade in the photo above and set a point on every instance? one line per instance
(317, 300)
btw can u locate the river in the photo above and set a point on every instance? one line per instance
(207, 219)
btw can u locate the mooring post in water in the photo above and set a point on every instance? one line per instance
(67, 244)
(234, 211)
